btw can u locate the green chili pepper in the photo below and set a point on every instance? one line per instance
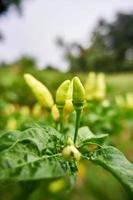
(78, 93)
(78, 102)
(71, 152)
(40, 91)
(61, 94)
(68, 108)
(70, 91)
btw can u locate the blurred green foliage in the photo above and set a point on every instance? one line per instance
(93, 183)
(14, 89)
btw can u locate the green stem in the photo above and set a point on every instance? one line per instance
(78, 114)
(61, 119)
(56, 125)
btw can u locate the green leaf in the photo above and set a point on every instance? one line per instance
(7, 139)
(85, 137)
(115, 162)
(31, 154)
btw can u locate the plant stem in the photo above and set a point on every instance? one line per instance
(78, 114)
(56, 125)
(61, 119)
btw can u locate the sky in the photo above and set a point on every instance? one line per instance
(35, 31)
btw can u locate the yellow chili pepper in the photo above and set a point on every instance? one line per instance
(57, 185)
(100, 91)
(68, 108)
(90, 85)
(55, 113)
(129, 100)
(37, 110)
(40, 91)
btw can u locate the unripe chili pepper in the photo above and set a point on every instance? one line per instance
(90, 85)
(11, 124)
(101, 83)
(40, 91)
(100, 91)
(71, 152)
(70, 141)
(70, 91)
(61, 94)
(78, 102)
(68, 104)
(24, 110)
(57, 185)
(55, 113)
(78, 93)
(37, 110)
(68, 108)
(120, 101)
(129, 101)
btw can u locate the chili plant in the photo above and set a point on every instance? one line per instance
(42, 151)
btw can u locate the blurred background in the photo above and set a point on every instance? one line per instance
(61, 39)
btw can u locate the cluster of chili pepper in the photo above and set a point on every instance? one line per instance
(69, 96)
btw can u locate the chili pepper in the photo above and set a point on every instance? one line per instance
(129, 101)
(61, 94)
(90, 85)
(37, 110)
(71, 152)
(70, 91)
(100, 91)
(78, 102)
(78, 93)
(55, 113)
(57, 185)
(40, 91)
(68, 108)
(68, 104)
(70, 141)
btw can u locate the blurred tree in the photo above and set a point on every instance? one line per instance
(25, 64)
(111, 47)
(75, 54)
(117, 38)
(6, 4)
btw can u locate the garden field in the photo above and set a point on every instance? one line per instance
(24, 121)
